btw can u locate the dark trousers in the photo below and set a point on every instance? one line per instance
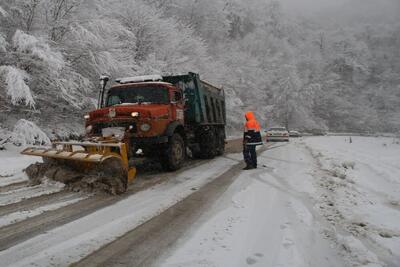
(250, 155)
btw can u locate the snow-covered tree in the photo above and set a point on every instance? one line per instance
(302, 72)
(16, 86)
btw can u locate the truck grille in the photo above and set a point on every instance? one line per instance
(101, 125)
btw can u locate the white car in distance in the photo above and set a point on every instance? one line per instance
(277, 134)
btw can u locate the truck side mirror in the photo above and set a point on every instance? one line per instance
(103, 83)
(177, 97)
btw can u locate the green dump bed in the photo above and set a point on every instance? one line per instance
(205, 103)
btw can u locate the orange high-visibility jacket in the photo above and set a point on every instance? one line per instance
(252, 135)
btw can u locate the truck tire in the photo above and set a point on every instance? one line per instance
(208, 144)
(173, 155)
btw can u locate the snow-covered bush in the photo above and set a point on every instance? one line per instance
(16, 87)
(26, 132)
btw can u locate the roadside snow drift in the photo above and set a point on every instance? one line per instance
(362, 181)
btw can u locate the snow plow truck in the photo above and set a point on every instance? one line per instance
(161, 117)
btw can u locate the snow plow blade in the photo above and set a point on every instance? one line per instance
(102, 164)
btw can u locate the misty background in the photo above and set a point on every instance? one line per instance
(330, 65)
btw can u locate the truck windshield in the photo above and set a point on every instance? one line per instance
(137, 95)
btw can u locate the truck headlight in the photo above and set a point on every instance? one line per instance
(145, 127)
(89, 129)
(135, 114)
(87, 116)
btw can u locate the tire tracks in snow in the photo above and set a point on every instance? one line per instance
(13, 234)
(13, 186)
(29, 227)
(144, 244)
(32, 203)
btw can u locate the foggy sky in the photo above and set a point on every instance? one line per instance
(347, 9)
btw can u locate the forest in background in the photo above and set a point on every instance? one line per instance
(337, 69)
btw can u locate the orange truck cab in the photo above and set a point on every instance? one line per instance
(162, 116)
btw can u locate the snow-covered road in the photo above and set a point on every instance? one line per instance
(296, 211)
(265, 218)
(318, 201)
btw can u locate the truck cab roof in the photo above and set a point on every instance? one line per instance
(141, 84)
(143, 78)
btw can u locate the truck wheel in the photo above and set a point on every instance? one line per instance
(173, 155)
(208, 145)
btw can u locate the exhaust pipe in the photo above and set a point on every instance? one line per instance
(103, 83)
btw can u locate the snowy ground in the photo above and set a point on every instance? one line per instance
(317, 201)
(297, 212)
(73, 241)
(362, 181)
(11, 165)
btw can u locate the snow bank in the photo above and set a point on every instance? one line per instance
(360, 183)
(16, 86)
(26, 132)
(12, 164)
(359, 252)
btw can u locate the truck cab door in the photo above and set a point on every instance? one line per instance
(178, 105)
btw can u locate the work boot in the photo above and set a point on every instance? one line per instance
(248, 167)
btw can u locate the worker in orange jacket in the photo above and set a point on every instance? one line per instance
(251, 139)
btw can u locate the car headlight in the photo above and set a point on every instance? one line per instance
(135, 114)
(89, 129)
(87, 116)
(145, 127)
